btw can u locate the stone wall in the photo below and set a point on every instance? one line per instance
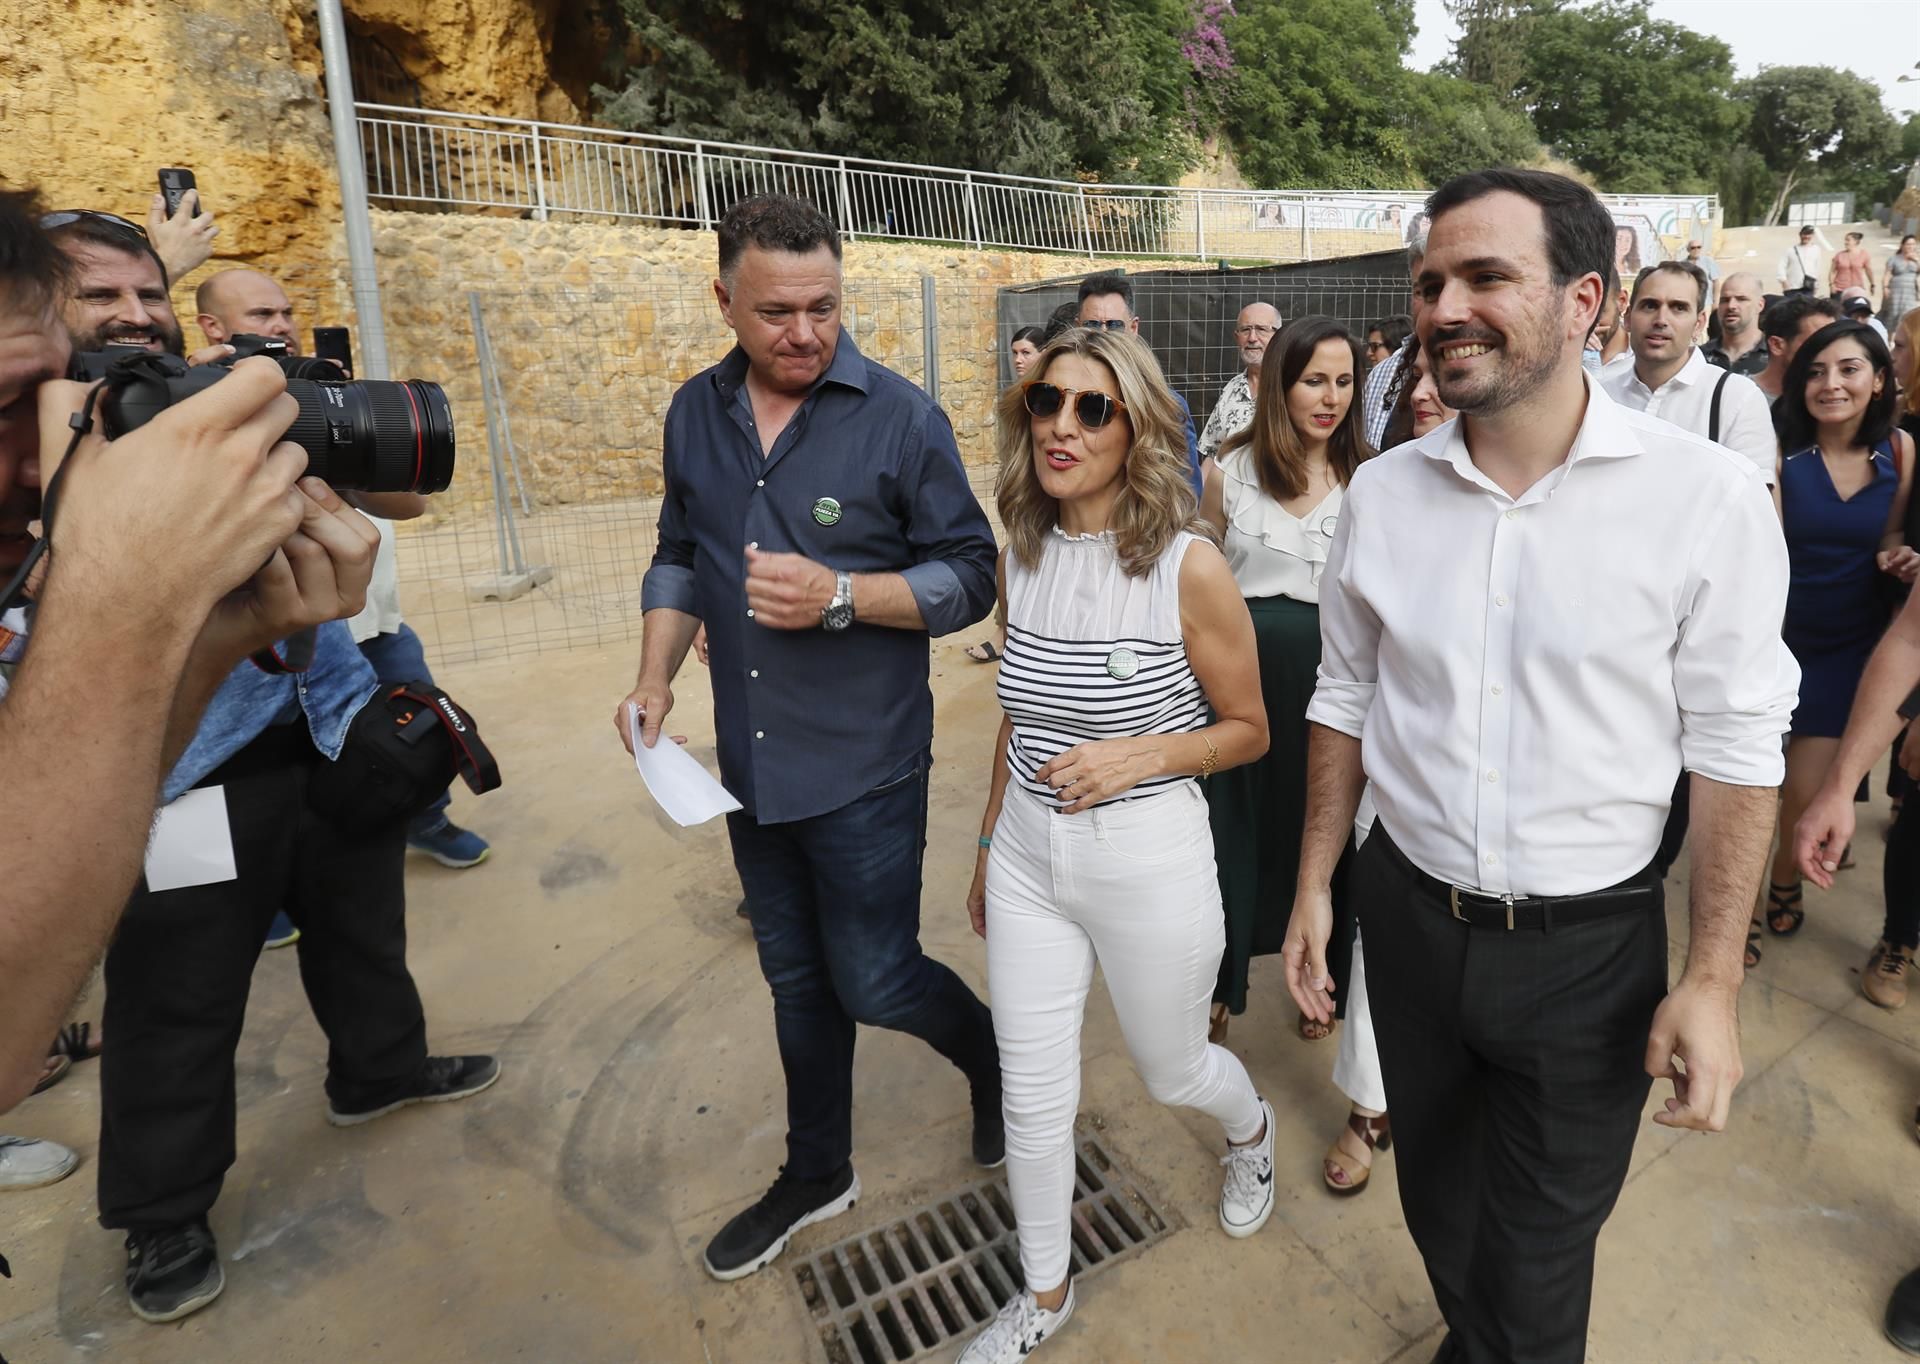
(594, 326)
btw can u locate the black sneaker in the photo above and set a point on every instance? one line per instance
(760, 1233)
(1903, 1314)
(989, 1130)
(174, 1272)
(442, 1080)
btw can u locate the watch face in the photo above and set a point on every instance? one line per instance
(838, 616)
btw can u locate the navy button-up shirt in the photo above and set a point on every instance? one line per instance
(808, 721)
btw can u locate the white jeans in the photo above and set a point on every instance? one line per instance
(1132, 885)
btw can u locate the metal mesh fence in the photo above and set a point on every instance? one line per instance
(560, 388)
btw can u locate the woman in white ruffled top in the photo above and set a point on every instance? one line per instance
(1275, 496)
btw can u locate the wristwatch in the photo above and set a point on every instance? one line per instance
(838, 613)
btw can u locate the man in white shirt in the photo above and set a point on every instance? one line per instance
(1233, 411)
(1666, 376)
(1802, 267)
(1530, 619)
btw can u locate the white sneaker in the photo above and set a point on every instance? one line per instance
(1017, 1332)
(28, 1164)
(1246, 1195)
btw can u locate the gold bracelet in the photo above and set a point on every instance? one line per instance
(1212, 760)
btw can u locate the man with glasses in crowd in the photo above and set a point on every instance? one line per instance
(1233, 411)
(1106, 301)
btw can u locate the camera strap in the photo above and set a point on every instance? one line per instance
(472, 758)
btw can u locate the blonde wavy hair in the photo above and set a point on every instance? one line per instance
(1156, 501)
(1909, 327)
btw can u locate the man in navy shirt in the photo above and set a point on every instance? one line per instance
(818, 520)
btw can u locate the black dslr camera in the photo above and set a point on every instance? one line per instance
(366, 435)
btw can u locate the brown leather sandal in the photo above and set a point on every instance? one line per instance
(1338, 1165)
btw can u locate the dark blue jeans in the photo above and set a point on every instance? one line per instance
(398, 657)
(835, 903)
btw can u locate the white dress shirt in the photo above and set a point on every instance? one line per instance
(1686, 400)
(1528, 675)
(1800, 261)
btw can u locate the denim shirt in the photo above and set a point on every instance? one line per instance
(865, 478)
(328, 695)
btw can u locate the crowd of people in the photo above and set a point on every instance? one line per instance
(1443, 635)
(303, 867)
(1327, 672)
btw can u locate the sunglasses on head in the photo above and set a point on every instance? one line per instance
(66, 217)
(1094, 410)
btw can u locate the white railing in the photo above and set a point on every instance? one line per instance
(423, 159)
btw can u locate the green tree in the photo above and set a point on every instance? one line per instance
(1641, 104)
(1452, 125)
(1815, 126)
(1313, 94)
(1491, 50)
(1035, 87)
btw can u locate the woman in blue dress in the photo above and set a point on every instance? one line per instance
(1844, 476)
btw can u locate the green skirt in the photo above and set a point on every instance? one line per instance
(1257, 810)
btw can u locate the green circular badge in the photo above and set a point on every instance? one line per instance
(827, 511)
(1122, 664)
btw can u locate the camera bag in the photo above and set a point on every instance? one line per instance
(401, 751)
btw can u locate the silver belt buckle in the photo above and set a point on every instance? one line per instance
(1453, 904)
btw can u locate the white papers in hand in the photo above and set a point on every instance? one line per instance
(676, 780)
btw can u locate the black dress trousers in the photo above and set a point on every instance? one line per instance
(181, 966)
(1514, 1068)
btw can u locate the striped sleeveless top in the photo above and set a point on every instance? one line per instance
(1093, 654)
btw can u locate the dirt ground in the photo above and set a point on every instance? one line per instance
(560, 1216)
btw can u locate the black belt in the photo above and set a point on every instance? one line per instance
(1541, 913)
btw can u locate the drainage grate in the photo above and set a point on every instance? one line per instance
(939, 1273)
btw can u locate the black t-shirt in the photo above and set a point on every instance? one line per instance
(1749, 364)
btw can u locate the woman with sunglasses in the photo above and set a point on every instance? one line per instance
(1023, 350)
(1129, 671)
(1414, 410)
(1275, 496)
(1842, 490)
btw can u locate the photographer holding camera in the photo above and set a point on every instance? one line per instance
(154, 589)
(234, 304)
(267, 822)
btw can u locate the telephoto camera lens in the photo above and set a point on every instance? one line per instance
(373, 435)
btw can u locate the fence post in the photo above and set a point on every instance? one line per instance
(700, 185)
(539, 179)
(515, 578)
(1199, 226)
(846, 203)
(353, 191)
(1086, 225)
(930, 334)
(973, 217)
(1306, 232)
